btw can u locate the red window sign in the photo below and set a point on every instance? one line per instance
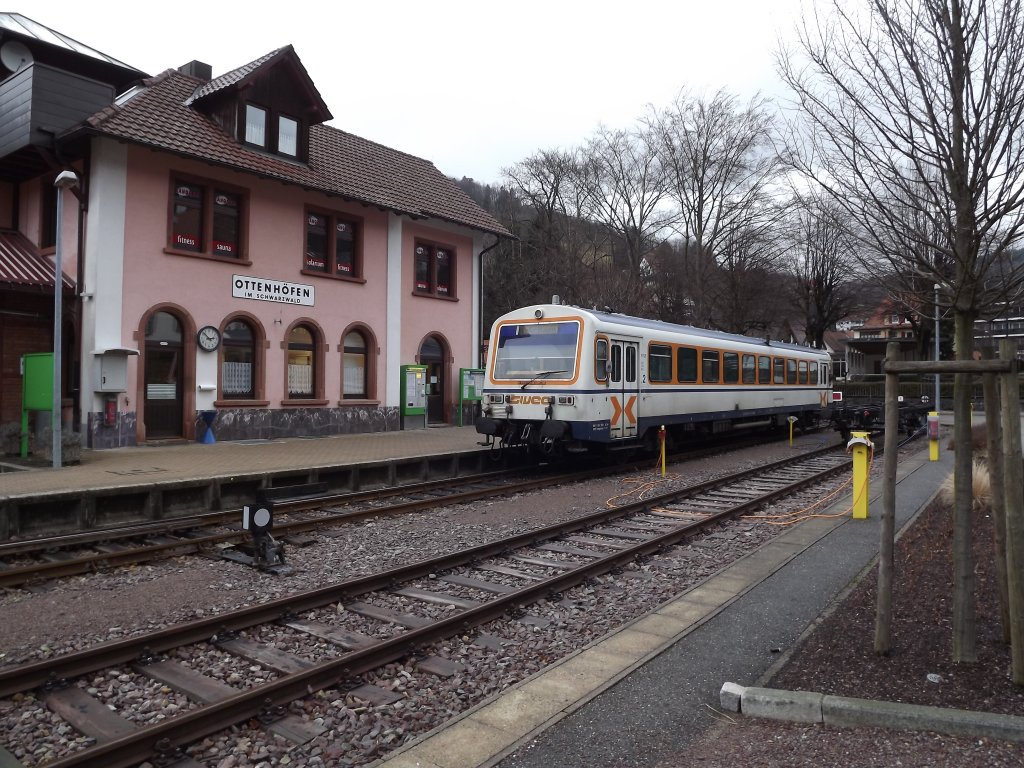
(188, 240)
(221, 247)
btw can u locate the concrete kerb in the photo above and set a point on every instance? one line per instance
(847, 712)
(842, 711)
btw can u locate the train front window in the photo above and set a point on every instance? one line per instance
(531, 350)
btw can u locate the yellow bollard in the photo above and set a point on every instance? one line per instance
(661, 437)
(933, 436)
(861, 447)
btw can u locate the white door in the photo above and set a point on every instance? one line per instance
(623, 387)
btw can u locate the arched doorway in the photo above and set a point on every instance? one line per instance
(163, 375)
(433, 354)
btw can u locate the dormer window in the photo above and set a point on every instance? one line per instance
(272, 131)
(287, 136)
(255, 125)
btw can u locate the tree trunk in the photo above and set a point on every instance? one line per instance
(1014, 490)
(994, 435)
(964, 650)
(886, 544)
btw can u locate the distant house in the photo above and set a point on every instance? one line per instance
(866, 347)
(225, 251)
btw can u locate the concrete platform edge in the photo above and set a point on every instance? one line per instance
(845, 711)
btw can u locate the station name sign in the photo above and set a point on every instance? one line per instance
(260, 289)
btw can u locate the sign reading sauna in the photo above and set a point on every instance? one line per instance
(261, 289)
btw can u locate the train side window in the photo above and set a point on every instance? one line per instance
(778, 370)
(709, 366)
(749, 369)
(791, 371)
(686, 364)
(731, 367)
(601, 360)
(803, 372)
(764, 369)
(630, 364)
(659, 362)
(616, 364)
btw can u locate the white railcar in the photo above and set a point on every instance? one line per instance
(561, 377)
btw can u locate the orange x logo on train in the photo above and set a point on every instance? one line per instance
(619, 409)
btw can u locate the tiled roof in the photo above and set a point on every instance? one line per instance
(340, 163)
(21, 264)
(231, 78)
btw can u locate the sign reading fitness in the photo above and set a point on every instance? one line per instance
(259, 289)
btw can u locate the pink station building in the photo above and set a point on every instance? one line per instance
(225, 252)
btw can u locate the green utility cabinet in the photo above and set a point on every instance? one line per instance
(414, 397)
(471, 386)
(36, 389)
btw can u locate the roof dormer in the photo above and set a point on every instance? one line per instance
(267, 105)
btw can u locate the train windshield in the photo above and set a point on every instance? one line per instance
(537, 350)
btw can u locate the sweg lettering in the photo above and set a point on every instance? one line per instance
(529, 399)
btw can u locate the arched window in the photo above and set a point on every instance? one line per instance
(302, 363)
(354, 374)
(238, 362)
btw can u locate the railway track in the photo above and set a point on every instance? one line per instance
(473, 586)
(299, 510)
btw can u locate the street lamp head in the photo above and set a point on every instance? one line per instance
(66, 180)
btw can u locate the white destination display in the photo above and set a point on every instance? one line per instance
(261, 289)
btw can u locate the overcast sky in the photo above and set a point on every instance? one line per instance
(473, 86)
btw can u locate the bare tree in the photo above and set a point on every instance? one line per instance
(916, 104)
(720, 167)
(622, 185)
(823, 263)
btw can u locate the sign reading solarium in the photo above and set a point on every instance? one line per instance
(261, 289)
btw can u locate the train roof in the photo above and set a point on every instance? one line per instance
(661, 325)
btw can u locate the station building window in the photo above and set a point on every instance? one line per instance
(241, 361)
(333, 245)
(269, 130)
(357, 371)
(303, 363)
(434, 270)
(207, 219)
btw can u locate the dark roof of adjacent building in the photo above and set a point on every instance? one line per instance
(56, 47)
(158, 116)
(21, 265)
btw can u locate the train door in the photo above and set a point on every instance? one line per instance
(624, 386)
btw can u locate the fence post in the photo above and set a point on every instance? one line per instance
(1013, 492)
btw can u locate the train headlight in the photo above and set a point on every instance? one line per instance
(495, 399)
(569, 400)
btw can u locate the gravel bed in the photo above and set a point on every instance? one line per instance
(81, 612)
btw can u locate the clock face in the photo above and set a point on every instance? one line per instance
(209, 338)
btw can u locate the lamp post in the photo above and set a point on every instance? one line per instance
(937, 346)
(65, 180)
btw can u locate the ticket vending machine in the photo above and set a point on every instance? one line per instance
(414, 397)
(36, 390)
(471, 387)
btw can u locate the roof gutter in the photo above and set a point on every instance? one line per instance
(480, 294)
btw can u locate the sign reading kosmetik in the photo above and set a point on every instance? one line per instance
(260, 289)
